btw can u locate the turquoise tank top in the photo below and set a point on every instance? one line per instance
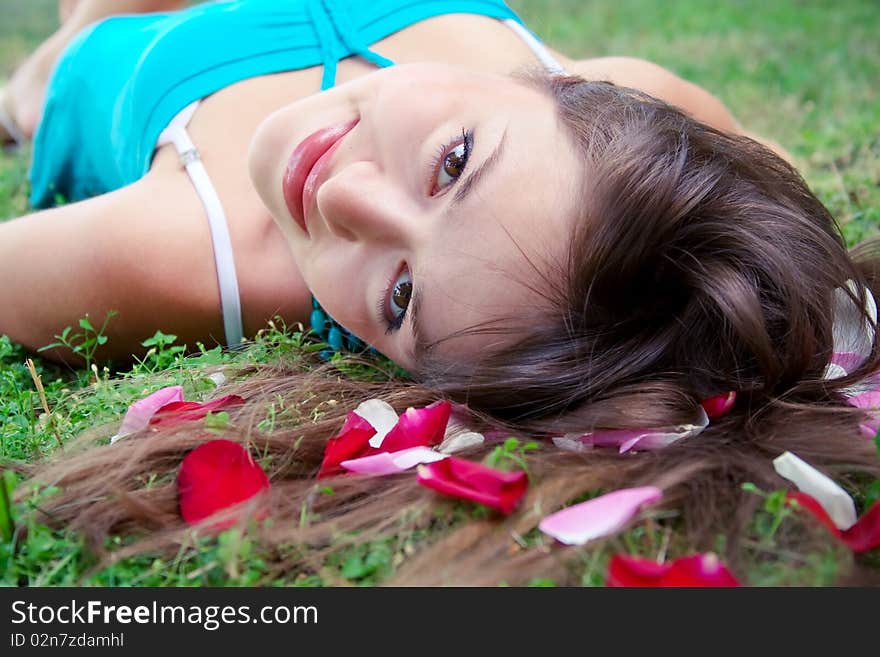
(121, 80)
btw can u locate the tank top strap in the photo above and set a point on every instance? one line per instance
(541, 51)
(338, 38)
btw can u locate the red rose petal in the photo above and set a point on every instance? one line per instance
(861, 537)
(467, 480)
(176, 412)
(624, 570)
(719, 405)
(810, 503)
(698, 570)
(865, 534)
(419, 427)
(352, 441)
(214, 476)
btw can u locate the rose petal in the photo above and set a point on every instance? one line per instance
(380, 415)
(627, 439)
(386, 463)
(851, 332)
(869, 399)
(352, 441)
(848, 360)
(467, 480)
(138, 415)
(812, 505)
(214, 476)
(460, 441)
(864, 535)
(598, 517)
(701, 570)
(419, 427)
(808, 479)
(719, 405)
(833, 371)
(175, 412)
(626, 570)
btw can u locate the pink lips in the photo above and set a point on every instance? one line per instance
(306, 166)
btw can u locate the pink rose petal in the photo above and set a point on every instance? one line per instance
(627, 439)
(138, 415)
(386, 463)
(598, 517)
(868, 400)
(848, 360)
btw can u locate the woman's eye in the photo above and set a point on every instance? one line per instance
(453, 162)
(401, 292)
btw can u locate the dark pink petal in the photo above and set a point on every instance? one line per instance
(352, 441)
(601, 516)
(419, 427)
(138, 415)
(719, 405)
(812, 505)
(215, 476)
(625, 570)
(467, 480)
(176, 412)
(864, 535)
(699, 570)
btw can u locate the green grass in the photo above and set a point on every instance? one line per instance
(803, 73)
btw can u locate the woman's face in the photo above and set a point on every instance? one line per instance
(418, 199)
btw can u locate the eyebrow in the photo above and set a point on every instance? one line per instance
(421, 344)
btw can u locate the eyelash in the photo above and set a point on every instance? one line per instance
(392, 325)
(466, 138)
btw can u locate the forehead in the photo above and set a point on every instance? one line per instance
(488, 260)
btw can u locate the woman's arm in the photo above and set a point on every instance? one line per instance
(145, 252)
(665, 85)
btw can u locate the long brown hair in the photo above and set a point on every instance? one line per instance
(700, 263)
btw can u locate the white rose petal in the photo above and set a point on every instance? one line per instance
(381, 417)
(836, 501)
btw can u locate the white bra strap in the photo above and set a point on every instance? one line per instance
(540, 50)
(230, 301)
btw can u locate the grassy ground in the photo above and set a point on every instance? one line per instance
(803, 73)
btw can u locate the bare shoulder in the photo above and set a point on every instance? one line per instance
(661, 83)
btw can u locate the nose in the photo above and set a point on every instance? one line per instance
(363, 203)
